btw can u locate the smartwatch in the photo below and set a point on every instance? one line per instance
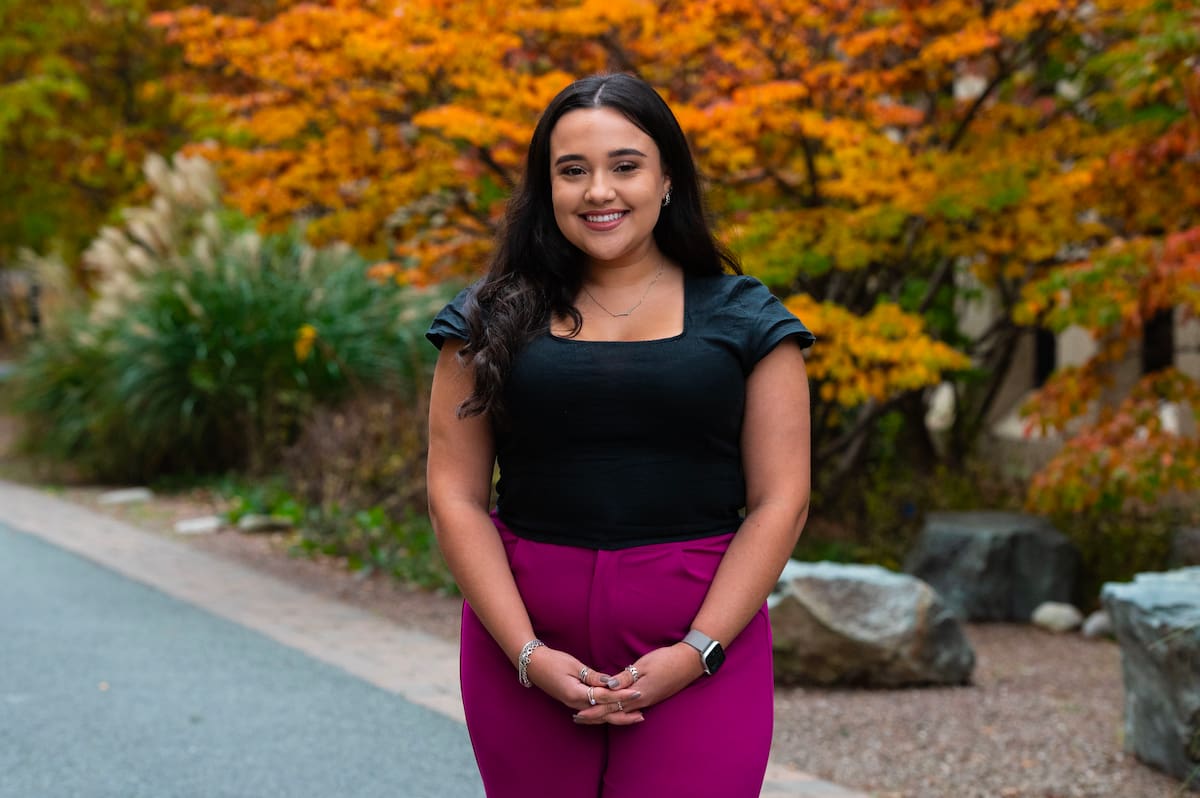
(711, 653)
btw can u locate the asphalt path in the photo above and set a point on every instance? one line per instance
(109, 688)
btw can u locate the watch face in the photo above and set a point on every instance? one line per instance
(713, 658)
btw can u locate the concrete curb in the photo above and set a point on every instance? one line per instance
(419, 667)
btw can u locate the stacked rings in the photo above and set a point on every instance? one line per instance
(633, 671)
(592, 696)
(583, 674)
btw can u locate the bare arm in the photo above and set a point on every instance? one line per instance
(461, 459)
(775, 457)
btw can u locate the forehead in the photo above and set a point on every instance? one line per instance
(595, 131)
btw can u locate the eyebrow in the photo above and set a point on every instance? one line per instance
(611, 154)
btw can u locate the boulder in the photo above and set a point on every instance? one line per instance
(994, 566)
(1156, 618)
(864, 625)
(1055, 616)
(1098, 624)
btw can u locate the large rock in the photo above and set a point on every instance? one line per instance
(864, 625)
(994, 566)
(1157, 621)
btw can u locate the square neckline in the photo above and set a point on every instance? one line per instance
(687, 285)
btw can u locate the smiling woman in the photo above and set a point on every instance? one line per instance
(636, 396)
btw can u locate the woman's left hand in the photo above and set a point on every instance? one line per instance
(662, 673)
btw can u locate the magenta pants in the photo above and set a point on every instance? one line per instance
(710, 740)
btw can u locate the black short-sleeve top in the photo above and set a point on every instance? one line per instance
(613, 444)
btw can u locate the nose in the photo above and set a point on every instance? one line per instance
(599, 189)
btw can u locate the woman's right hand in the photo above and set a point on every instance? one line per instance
(556, 673)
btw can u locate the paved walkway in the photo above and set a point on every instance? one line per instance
(417, 667)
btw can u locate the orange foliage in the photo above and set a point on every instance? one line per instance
(853, 151)
(872, 357)
(1126, 456)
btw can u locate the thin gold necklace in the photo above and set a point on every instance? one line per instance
(629, 312)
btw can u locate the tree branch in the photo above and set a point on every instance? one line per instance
(849, 444)
(810, 164)
(935, 284)
(624, 62)
(489, 161)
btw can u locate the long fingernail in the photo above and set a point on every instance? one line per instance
(638, 694)
(613, 684)
(577, 719)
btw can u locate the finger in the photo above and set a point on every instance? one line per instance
(592, 717)
(594, 678)
(608, 699)
(600, 698)
(627, 718)
(625, 678)
(589, 717)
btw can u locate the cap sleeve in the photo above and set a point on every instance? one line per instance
(766, 322)
(451, 322)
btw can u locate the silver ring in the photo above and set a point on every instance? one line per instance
(620, 707)
(592, 696)
(583, 674)
(633, 671)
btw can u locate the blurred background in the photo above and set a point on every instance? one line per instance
(224, 229)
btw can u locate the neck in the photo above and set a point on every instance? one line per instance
(608, 274)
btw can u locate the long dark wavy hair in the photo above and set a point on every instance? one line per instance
(536, 273)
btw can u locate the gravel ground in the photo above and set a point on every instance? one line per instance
(1041, 720)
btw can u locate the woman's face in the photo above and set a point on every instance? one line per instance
(607, 182)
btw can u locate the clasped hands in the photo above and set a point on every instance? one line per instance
(661, 674)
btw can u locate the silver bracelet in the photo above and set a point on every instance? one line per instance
(523, 661)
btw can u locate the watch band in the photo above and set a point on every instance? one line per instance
(698, 640)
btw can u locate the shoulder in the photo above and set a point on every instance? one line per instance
(734, 294)
(727, 292)
(743, 310)
(451, 321)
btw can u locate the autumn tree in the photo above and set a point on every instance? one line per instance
(879, 164)
(87, 90)
(1143, 91)
(81, 104)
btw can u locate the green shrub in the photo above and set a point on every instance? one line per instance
(215, 364)
(262, 496)
(1113, 547)
(365, 453)
(399, 543)
(878, 518)
(69, 406)
(372, 540)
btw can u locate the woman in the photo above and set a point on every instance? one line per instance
(637, 398)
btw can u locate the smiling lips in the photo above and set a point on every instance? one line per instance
(603, 221)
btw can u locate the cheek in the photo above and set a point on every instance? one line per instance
(564, 205)
(558, 198)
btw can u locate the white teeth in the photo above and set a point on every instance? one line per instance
(607, 217)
